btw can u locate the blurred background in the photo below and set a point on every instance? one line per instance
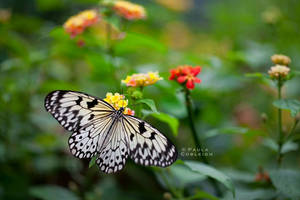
(226, 38)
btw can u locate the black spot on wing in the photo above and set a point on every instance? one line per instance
(92, 103)
(131, 136)
(91, 117)
(142, 128)
(152, 137)
(78, 101)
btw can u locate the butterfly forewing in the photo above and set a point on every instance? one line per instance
(86, 116)
(147, 145)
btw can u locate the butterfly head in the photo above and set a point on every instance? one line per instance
(122, 109)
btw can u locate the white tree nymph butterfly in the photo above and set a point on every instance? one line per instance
(98, 129)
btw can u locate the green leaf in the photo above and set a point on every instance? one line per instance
(50, 192)
(150, 103)
(292, 105)
(92, 161)
(178, 175)
(271, 144)
(255, 75)
(251, 194)
(289, 146)
(211, 172)
(170, 120)
(134, 41)
(287, 181)
(204, 195)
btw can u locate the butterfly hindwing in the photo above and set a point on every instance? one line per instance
(87, 141)
(147, 145)
(115, 151)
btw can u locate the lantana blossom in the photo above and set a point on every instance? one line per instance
(118, 101)
(78, 23)
(142, 79)
(186, 75)
(279, 71)
(129, 10)
(280, 59)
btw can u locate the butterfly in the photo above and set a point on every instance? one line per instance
(98, 129)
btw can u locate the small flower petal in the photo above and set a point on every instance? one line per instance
(181, 79)
(190, 84)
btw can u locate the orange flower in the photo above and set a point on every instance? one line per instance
(129, 10)
(186, 74)
(77, 24)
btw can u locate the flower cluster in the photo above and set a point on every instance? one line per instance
(281, 69)
(118, 101)
(129, 10)
(281, 59)
(186, 75)
(141, 80)
(77, 24)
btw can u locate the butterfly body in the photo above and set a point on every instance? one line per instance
(99, 129)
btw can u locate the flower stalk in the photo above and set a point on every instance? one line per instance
(280, 133)
(188, 103)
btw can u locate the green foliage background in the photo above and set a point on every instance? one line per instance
(227, 38)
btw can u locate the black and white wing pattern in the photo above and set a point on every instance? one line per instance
(147, 146)
(88, 117)
(115, 151)
(99, 129)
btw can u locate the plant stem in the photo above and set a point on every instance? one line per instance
(198, 144)
(280, 133)
(188, 102)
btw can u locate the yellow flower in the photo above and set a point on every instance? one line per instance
(279, 71)
(118, 101)
(138, 80)
(129, 10)
(281, 59)
(78, 23)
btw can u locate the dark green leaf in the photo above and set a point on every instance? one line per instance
(211, 172)
(244, 194)
(171, 121)
(270, 143)
(150, 103)
(289, 146)
(51, 192)
(287, 181)
(292, 105)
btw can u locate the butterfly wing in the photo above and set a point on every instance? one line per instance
(88, 117)
(114, 153)
(147, 145)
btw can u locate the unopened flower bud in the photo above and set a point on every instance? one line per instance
(167, 196)
(264, 117)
